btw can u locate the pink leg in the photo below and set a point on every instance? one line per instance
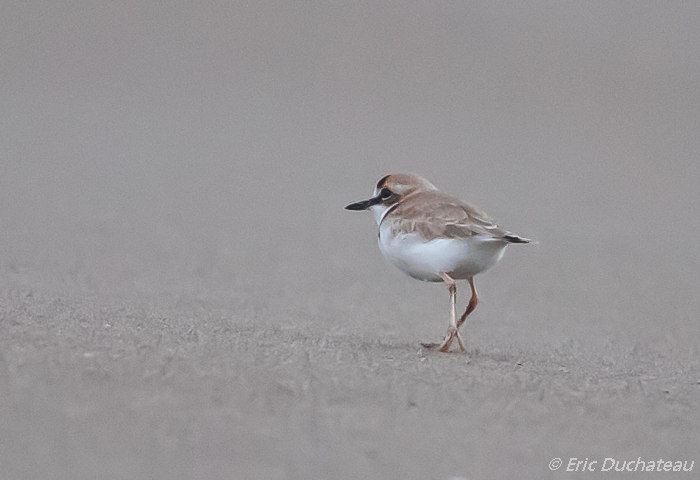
(453, 329)
(473, 302)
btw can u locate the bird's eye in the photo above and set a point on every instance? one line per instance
(386, 193)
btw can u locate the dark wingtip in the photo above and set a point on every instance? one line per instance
(516, 239)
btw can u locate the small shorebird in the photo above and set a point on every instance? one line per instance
(434, 237)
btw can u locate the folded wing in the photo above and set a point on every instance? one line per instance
(434, 214)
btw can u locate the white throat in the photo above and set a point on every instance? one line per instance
(379, 211)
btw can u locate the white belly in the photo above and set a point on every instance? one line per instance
(460, 259)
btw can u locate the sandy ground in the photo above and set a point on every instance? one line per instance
(183, 296)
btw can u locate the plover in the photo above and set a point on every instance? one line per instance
(434, 237)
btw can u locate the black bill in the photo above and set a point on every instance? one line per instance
(364, 204)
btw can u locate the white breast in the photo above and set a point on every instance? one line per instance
(425, 260)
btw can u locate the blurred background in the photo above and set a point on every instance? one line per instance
(202, 152)
(152, 146)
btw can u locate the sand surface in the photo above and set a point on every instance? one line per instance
(182, 295)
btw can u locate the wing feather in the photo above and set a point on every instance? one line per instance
(433, 214)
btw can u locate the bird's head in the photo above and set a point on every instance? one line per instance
(390, 190)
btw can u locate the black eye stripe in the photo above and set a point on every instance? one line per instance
(386, 193)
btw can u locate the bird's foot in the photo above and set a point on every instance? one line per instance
(445, 345)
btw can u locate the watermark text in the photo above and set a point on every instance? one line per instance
(621, 465)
